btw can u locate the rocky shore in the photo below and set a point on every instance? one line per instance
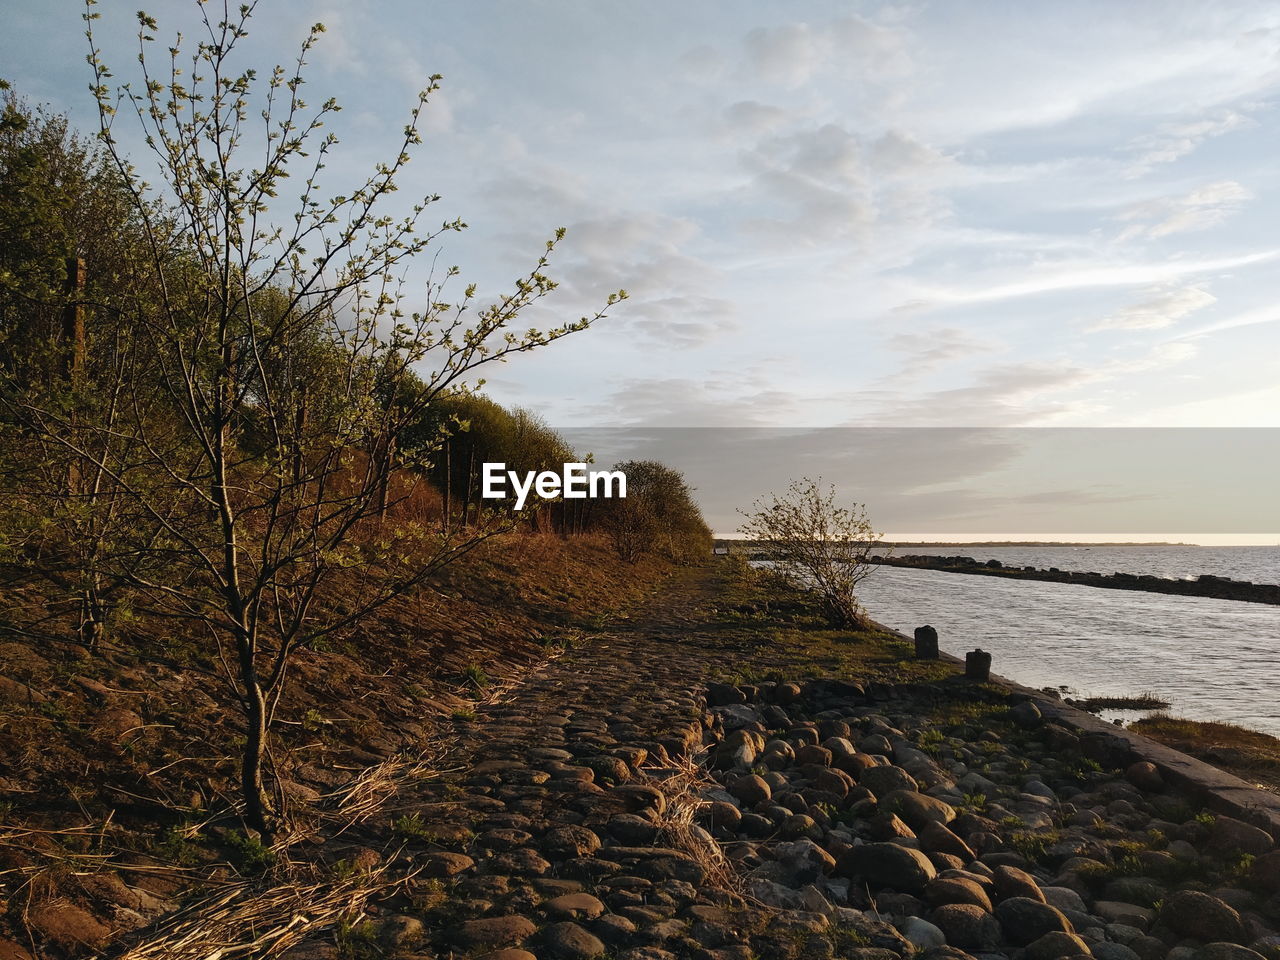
(727, 779)
(1207, 585)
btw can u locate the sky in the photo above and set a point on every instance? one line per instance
(826, 215)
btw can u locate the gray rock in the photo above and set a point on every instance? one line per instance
(1025, 920)
(1202, 917)
(922, 933)
(886, 779)
(967, 926)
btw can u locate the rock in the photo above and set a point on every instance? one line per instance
(1114, 951)
(573, 906)
(1202, 917)
(943, 890)
(1236, 836)
(1024, 920)
(1055, 945)
(1064, 898)
(440, 865)
(509, 953)
(633, 829)
(491, 932)
(565, 843)
(814, 754)
(398, 932)
(886, 779)
(1265, 871)
(888, 826)
(936, 838)
(1226, 951)
(11, 951)
(750, 789)
(1012, 882)
(917, 809)
(723, 694)
(637, 796)
(1145, 776)
(1026, 715)
(719, 814)
(568, 941)
(1129, 914)
(967, 925)
(922, 933)
(888, 865)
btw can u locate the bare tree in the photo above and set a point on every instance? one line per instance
(816, 542)
(258, 453)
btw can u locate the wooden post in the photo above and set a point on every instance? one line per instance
(73, 319)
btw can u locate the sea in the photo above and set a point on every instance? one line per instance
(1211, 659)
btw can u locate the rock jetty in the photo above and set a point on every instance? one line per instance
(1206, 585)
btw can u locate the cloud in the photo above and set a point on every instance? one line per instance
(1162, 308)
(1200, 209)
(1085, 275)
(928, 350)
(1175, 141)
(753, 117)
(682, 321)
(828, 184)
(792, 54)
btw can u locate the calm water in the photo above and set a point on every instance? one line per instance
(1258, 564)
(1212, 659)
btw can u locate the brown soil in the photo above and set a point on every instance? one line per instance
(121, 756)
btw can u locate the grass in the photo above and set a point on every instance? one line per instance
(1248, 754)
(1137, 701)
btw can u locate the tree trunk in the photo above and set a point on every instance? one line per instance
(255, 746)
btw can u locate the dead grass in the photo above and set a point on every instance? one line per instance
(1247, 754)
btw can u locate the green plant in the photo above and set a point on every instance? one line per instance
(974, 802)
(314, 720)
(252, 855)
(475, 675)
(1205, 818)
(357, 941)
(464, 714)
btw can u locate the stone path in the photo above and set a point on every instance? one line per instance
(824, 819)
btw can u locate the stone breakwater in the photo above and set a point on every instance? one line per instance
(619, 805)
(1220, 588)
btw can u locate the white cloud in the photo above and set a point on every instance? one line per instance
(929, 349)
(1176, 140)
(1161, 308)
(1199, 209)
(1084, 275)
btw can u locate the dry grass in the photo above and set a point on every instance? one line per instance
(245, 921)
(684, 791)
(1248, 754)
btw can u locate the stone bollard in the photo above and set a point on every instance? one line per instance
(977, 665)
(926, 643)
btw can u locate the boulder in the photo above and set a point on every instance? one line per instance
(967, 926)
(917, 809)
(1024, 920)
(888, 865)
(1055, 945)
(1202, 917)
(886, 779)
